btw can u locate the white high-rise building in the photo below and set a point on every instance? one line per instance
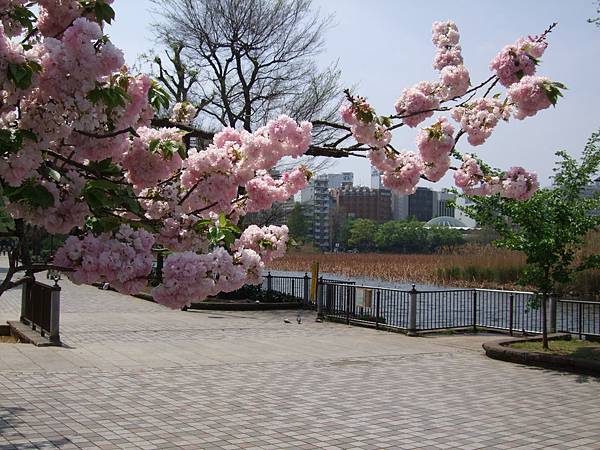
(375, 179)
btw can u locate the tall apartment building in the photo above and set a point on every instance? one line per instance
(364, 203)
(315, 199)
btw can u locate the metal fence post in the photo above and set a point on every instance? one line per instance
(412, 312)
(474, 311)
(55, 315)
(269, 283)
(347, 306)
(552, 315)
(306, 288)
(511, 309)
(377, 297)
(580, 320)
(25, 290)
(320, 298)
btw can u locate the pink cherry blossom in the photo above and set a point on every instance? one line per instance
(529, 96)
(417, 103)
(517, 60)
(479, 118)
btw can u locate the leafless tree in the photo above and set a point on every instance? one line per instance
(244, 62)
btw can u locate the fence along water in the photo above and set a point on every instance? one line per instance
(418, 310)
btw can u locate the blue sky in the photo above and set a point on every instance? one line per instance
(384, 46)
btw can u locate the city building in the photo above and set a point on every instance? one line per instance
(444, 204)
(316, 202)
(363, 203)
(423, 205)
(376, 178)
(340, 180)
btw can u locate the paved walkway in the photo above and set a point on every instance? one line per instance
(136, 375)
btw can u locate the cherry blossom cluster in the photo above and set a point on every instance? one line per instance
(434, 144)
(517, 183)
(239, 158)
(366, 127)
(445, 37)
(401, 171)
(263, 190)
(184, 113)
(515, 61)
(191, 277)
(152, 156)
(269, 242)
(124, 259)
(454, 76)
(479, 118)
(417, 103)
(530, 95)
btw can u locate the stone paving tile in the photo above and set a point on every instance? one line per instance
(138, 376)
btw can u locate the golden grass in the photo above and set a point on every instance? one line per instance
(8, 340)
(470, 265)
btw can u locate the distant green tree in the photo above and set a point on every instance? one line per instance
(341, 233)
(444, 237)
(551, 226)
(362, 234)
(298, 224)
(412, 236)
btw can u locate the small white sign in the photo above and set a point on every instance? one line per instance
(364, 298)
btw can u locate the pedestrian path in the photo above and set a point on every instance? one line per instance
(133, 374)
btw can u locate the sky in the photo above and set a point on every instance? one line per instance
(384, 46)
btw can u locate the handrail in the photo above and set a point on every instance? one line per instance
(583, 302)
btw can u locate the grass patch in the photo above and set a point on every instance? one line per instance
(574, 348)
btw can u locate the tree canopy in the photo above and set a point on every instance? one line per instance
(550, 227)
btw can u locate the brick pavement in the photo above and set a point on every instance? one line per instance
(135, 375)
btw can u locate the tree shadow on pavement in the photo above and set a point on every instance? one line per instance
(9, 431)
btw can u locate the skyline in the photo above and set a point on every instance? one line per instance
(393, 50)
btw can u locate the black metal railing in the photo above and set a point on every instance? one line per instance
(415, 310)
(40, 308)
(578, 317)
(296, 287)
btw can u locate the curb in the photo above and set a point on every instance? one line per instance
(28, 336)
(245, 306)
(502, 351)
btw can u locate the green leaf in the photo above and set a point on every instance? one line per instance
(30, 193)
(24, 16)
(111, 96)
(158, 97)
(104, 12)
(105, 167)
(22, 74)
(103, 224)
(54, 174)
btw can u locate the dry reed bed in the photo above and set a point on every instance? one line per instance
(469, 266)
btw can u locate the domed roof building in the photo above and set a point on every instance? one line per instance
(447, 221)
